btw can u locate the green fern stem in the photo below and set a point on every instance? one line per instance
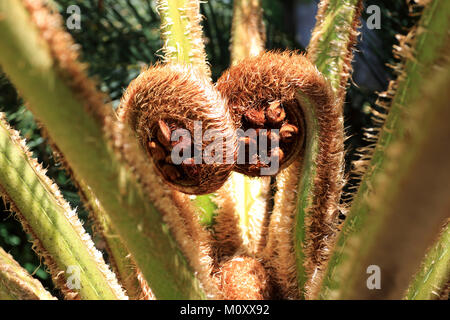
(434, 271)
(333, 39)
(119, 256)
(181, 32)
(59, 235)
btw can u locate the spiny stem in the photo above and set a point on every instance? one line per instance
(385, 225)
(182, 33)
(79, 129)
(434, 271)
(119, 257)
(58, 235)
(17, 284)
(333, 39)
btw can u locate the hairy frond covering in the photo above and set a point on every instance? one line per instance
(283, 76)
(257, 84)
(244, 278)
(179, 95)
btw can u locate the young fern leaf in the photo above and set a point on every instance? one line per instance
(292, 83)
(39, 58)
(59, 237)
(17, 284)
(170, 99)
(308, 191)
(173, 96)
(434, 272)
(385, 226)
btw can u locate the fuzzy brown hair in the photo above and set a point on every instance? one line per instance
(283, 76)
(256, 84)
(177, 95)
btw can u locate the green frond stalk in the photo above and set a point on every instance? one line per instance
(17, 284)
(75, 118)
(122, 263)
(434, 271)
(333, 39)
(247, 30)
(58, 235)
(181, 32)
(386, 226)
(309, 191)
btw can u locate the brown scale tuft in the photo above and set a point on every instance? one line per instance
(262, 93)
(244, 278)
(168, 97)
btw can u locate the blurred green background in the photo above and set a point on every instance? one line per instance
(118, 37)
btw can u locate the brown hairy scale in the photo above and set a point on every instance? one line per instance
(244, 278)
(261, 92)
(168, 97)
